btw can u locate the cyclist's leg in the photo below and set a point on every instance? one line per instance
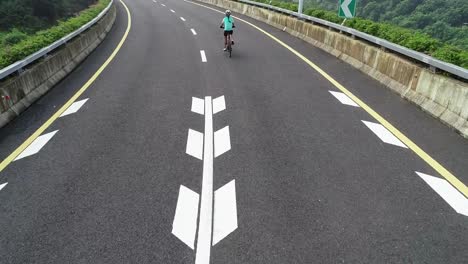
(231, 37)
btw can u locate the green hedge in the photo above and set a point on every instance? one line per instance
(17, 45)
(411, 39)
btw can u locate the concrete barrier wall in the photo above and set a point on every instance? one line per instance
(19, 92)
(443, 97)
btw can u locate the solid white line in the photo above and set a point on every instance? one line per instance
(172, 11)
(185, 220)
(193, 31)
(3, 185)
(206, 205)
(385, 135)
(203, 58)
(36, 145)
(344, 99)
(195, 144)
(225, 212)
(451, 195)
(181, 18)
(222, 141)
(74, 108)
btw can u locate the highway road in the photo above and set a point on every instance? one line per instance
(175, 153)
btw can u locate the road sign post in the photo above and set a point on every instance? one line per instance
(300, 7)
(347, 8)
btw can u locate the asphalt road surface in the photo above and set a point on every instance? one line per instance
(305, 178)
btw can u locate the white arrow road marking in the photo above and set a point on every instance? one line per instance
(74, 108)
(451, 195)
(385, 135)
(222, 141)
(203, 58)
(184, 226)
(198, 105)
(205, 146)
(193, 31)
(225, 212)
(36, 145)
(219, 104)
(195, 144)
(345, 8)
(343, 98)
(206, 205)
(3, 185)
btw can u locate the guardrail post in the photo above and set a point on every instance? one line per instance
(5, 102)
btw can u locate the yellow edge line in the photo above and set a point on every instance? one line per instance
(410, 144)
(54, 117)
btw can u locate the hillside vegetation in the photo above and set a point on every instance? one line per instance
(29, 16)
(415, 39)
(26, 26)
(446, 20)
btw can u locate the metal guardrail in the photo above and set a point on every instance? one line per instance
(19, 65)
(428, 60)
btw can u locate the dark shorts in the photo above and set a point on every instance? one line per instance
(228, 32)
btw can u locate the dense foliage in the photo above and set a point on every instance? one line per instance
(18, 43)
(446, 20)
(32, 15)
(411, 38)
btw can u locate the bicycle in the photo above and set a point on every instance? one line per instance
(229, 43)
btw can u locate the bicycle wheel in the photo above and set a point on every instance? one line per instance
(229, 46)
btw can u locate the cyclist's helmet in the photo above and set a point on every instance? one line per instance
(228, 12)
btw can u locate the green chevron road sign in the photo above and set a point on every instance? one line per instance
(347, 8)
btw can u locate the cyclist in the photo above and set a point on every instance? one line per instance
(228, 25)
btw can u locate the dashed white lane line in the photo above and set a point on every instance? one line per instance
(222, 141)
(172, 11)
(3, 185)
(198, 105)
(225, 211)
(154, 1)
(219, 104)
(36, 145)
(163, 4)
(451, 195)
(385, 135)
(203, 55)
(181, 18)
(343, 98)
(193, 31)
(74, 108)
(195, 144)
(185, 221)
